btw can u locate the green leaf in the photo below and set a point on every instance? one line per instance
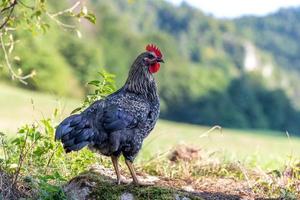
(91, 17)
(55, 112)
(45, 27)
(76, 110)
(36, 14)
(95, 83)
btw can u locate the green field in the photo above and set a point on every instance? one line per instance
(19, 106)
(265, 149)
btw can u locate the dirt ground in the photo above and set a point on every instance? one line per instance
(205, 188)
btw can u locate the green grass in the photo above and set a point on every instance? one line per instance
(19, 106)
(266, 149)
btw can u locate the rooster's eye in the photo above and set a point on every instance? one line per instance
(151, 56)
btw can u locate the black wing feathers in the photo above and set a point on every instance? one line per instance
(115, 119)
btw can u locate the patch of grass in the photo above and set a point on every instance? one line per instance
(106, 190)
(268, 150)
(20, 106)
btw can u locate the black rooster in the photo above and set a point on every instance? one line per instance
(119, 123)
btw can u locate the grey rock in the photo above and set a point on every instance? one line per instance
(127, 196)
(177, 197)
(78, 189)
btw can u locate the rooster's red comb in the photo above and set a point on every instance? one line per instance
(154, 49)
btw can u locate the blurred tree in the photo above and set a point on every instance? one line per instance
(277, 33)
(34, 17)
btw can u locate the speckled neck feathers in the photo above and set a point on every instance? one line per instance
(140, 80)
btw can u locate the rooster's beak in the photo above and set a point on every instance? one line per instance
(160, 60)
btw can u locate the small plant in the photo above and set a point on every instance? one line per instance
(103, 87)
(34, 158)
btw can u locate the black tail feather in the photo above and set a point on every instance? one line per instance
(75, 132)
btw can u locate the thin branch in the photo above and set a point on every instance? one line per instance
(50, 159)
(11, 43)
(10, 29)
(11, 7)
(26, 6)
(4, 148)
(53, 16)
(21, 159)
(13, 74)
(60, 23)
(8, 7)
(66, 10)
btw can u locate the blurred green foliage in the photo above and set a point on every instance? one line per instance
(102, 88)
(203, 80)
(277, 33)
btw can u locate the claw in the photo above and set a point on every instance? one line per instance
(141, 183)
(123, 181)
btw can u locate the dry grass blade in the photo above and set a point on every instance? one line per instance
(206, 133)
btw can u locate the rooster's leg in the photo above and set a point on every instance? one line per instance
(115, 161)
(133, 174)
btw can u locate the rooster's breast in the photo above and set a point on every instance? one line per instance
(132, 104)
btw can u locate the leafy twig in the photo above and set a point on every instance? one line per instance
(21, 159)
(59, 22)
(10, 23)
(13, 73)
(11, 7)
(3, 146)
(66, 10)
(8, 7)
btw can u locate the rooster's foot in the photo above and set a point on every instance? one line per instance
(122, 180)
